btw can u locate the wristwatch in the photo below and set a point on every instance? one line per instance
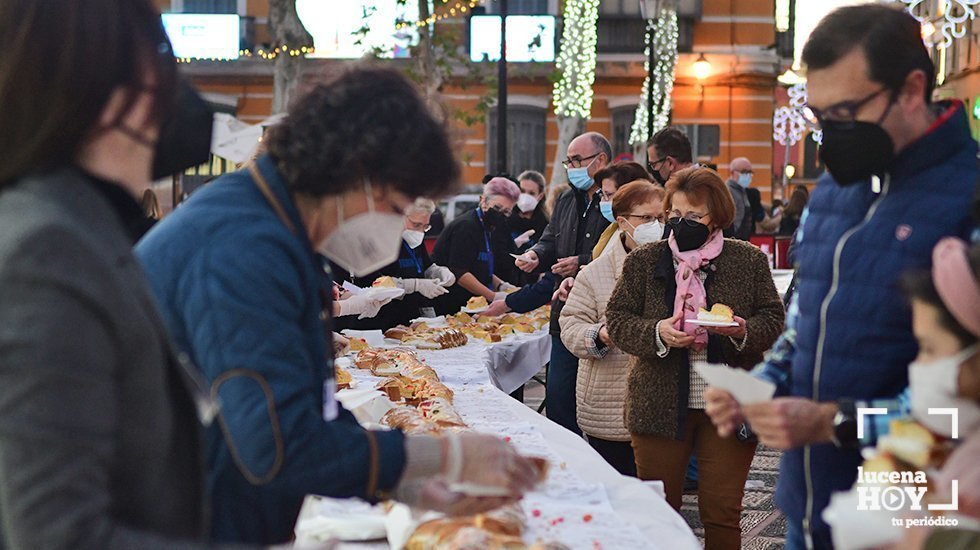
(844, 434)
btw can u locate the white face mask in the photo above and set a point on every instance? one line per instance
(413, 238)
(649, 232)
(933, 385)
(526, 203)
(367, 242)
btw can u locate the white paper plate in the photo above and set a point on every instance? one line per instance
(710, 323)
(381, 293)
(477, 310)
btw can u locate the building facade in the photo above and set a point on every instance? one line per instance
(728, 114)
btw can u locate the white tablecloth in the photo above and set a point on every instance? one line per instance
(585, 503)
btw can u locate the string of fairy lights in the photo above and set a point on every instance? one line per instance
(268, 55)
(460, 8)
(665, 36)
(576, 61)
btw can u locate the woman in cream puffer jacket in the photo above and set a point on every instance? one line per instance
(600, 390)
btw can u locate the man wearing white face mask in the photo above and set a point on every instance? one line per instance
(242, 290)
(600, 390)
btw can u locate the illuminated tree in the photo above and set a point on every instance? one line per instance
(572, 94)
(664, 29)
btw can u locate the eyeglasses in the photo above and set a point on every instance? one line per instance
(576, 161)
(646, 217)
(423, 227)
(845, 111)
(655, 165)
(691, 219)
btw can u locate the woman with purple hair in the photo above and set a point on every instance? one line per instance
(466, 245)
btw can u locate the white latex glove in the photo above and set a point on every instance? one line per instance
(484, 460)
(498, 296)
(523, 238)
(432, 493)
(362, 306)
(506, 287)
(430, 288)
(443, 274)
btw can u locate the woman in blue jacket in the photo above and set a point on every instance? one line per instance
(242, 290)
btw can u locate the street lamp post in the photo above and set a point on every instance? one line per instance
(502, 93)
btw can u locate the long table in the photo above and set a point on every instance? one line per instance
(585, 503)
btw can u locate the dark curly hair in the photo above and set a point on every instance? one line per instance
(369, 122)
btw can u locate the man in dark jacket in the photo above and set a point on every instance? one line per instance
(738, 185)
(902, 171)
(565, 247)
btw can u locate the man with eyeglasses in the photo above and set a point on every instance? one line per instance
(564, 248)
(902, 170)
(738, 184)
(668, 151)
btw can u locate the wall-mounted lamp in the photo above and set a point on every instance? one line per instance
(702, 67)
(790, 171)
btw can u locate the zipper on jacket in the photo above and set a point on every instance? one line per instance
(818, 360)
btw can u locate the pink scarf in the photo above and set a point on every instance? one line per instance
(690, 290)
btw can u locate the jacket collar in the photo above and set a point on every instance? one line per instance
(945, 139)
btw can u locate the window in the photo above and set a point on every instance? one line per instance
(520, 7)
(813, 168)
(206, 6)
(525, 139)
(628, 35)
(619, 8)
(631, 8)
(705, 139)
(622, 125)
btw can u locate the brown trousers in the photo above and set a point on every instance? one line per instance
(723, 466)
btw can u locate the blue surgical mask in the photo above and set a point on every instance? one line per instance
(580, 178)
(606, 208)
(744, 179)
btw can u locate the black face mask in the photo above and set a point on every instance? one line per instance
(689, 234)
(185, 135)
(853, 151)
(494, 218)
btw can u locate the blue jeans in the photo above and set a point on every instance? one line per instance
(560, 394)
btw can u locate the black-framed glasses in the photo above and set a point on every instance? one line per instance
(576, 161)
(655, 165)
(844, 111)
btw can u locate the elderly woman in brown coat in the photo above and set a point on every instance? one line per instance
(600, 389)
(649, 316)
